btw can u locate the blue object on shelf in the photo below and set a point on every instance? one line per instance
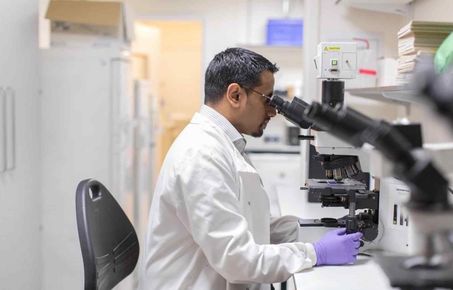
(285, 32)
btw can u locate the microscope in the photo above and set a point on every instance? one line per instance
(343, 176)
(336, 178)
(430, 263)
(338, 160)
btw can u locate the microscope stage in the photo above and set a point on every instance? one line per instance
(345, 184)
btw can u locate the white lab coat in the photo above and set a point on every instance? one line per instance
(209, 224)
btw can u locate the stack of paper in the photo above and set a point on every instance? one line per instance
(417, 38)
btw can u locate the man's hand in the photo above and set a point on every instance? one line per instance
(337, 248)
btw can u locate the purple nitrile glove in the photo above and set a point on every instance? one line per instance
(337, 248)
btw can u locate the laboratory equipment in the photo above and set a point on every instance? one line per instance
(430, 264)
(335, 176)
(344, 192)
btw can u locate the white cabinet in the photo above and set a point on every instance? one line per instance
(88, 128)
(20, 241)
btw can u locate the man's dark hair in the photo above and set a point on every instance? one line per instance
(234, 65)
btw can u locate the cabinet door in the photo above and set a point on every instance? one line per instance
(75, 130)
(122, 126)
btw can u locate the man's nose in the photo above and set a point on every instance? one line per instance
(271, 112)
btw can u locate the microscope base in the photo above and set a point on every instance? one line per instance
(415, 279)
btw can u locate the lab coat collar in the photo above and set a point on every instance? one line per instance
(222, 122)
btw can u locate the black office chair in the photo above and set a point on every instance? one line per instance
(108, 240)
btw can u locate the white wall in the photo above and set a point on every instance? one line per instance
(20, 243)
(239, 22)
(435, 129)
(226, 23)
(342, 21)
(433, 10)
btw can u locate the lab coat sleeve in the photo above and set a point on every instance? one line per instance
(284, 229)
(210, 201)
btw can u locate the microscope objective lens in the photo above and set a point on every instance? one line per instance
(329, 173)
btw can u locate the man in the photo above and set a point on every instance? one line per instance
(209, 224)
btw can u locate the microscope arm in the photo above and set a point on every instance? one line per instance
(348, 124)
(428, 186)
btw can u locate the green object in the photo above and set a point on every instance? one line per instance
(444, 54)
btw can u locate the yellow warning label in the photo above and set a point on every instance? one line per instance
(332, 48)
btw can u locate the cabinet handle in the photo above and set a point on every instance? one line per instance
(2, 130)
(11, 129)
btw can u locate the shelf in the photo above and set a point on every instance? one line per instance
(400, 7)
(392, 94)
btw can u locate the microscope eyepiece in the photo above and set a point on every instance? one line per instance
(293, 111)
(346, 124)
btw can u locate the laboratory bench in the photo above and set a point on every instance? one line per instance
(364, 274)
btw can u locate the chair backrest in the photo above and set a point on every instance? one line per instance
(108, 240)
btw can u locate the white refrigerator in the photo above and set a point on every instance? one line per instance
(90, 129)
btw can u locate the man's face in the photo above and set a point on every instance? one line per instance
(257, 112)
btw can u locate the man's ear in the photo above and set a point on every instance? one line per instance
(234, 94)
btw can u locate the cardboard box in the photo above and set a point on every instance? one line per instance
(107, 19)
